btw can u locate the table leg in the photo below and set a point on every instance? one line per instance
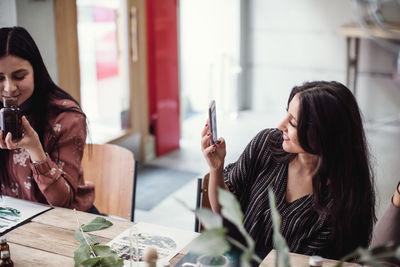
(348, 56)
(352, 54)
(355, 64)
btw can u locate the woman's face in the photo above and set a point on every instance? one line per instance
(16, 78)
(289, 127)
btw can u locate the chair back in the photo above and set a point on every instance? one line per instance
(112, 169)
(202, 200)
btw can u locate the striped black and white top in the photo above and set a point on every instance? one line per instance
(305, 231)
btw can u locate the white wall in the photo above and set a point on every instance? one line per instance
(295, 41)
(8, 13)
(38, 18)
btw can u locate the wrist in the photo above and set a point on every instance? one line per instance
(37, 155)
(217, 170)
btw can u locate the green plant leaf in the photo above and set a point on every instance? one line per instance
(282, 250)
(104, 251)
(245, 258)
(81, 254)
(97, 224)
(230, 207)
(91, 262)
(112, 262)
(208, 218)
(91, 239)
(211, 242)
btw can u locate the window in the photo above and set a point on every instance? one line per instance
(103, 63)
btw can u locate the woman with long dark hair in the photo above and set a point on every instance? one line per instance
(45, 164)
(316, 163)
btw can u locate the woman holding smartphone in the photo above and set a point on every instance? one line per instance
(317, 165)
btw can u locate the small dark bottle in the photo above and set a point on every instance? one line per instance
(5, 259)
(10, 118)
(3, 244)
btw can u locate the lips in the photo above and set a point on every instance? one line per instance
(285, 138)
(11, 95)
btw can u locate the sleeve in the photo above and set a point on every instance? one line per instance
(58, 176)
(387, 229)
(238, 176)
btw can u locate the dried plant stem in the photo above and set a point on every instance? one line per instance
(83, 234)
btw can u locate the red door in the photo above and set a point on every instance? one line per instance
(162, 56)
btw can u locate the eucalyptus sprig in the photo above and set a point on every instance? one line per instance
(91, 252)
(215, 241)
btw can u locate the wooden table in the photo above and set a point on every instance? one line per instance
(298, 260)
(353, 34)
(48, 240)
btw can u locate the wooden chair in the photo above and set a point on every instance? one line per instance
(112, 169)
(202, 200)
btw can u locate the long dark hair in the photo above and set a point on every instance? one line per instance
(16, 41)
(329, 125)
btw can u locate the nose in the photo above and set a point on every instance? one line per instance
(9, 88)
(283, 124)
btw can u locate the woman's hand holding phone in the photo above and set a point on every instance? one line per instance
(214, 149)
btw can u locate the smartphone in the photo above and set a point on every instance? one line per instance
(212, 120)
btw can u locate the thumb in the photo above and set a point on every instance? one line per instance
(27, 126)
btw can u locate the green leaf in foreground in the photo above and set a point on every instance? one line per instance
(97, 224)
(91, 239)
(91, 262)
(81, 254)
(208, 218)
(282, 250)
(230, 207)
(104, 256)
(211, 242)
(232, 211)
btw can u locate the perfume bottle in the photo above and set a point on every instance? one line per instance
(3, 244)
(5, 259)
(10, 118)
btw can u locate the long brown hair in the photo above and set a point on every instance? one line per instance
(16, 41)
(330, 126)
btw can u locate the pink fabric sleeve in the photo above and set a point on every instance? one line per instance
(59, 181)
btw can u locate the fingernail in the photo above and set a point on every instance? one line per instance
(218, 142)
(208, 134)
(206, 124)
(214, 145)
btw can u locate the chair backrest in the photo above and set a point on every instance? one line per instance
(112, 169)
(202, 200)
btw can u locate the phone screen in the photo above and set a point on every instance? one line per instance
(212, 118)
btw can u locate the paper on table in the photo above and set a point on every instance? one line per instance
(14, 211)
(168, 242)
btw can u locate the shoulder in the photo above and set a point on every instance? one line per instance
(65, 104)
(269, 136)
(68, 115)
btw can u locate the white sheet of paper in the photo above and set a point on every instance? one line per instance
(168, 242)
(14, 211)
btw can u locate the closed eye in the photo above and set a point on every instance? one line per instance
(19, 77)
